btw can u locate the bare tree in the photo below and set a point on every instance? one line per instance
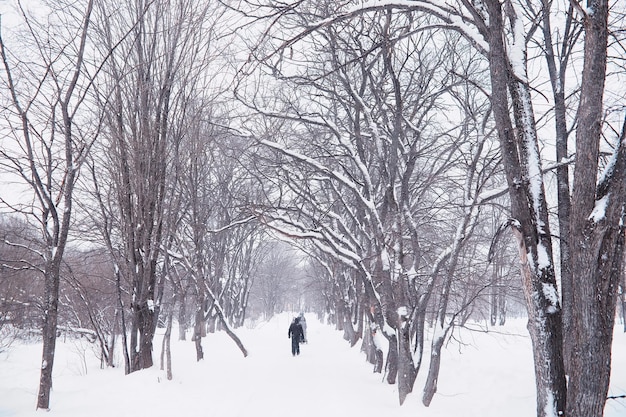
(158, 65)
(372, 165)
(273, 290)
(50, 143)
(501, 33)
(214, 241)
(21, 304)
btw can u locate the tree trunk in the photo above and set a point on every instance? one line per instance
(373, 353)
(430, 387)
(442, 326)
(118, 285)
(494, 307)
(392, 360)
(419, 323)
(597, 231)
(557, 81)
(349, 333)
(198, 330)
(406, 368)
(597, 268)
(111, 342)
(142, 334)
(367, 347)
(502, 305)
(166, 352)
(49, 338)
(528, 209)
(182, 319)
(146, 336)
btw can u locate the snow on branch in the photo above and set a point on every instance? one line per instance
(88, 333)
(464, 19)
(599, 210)
(516, 45)
(324, 238)
(332, 174)
(608, 174)
(232, 224)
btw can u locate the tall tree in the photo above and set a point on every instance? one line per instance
(596, 237)
(52, 136)
(148, 80)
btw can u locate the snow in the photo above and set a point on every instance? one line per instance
(440, 8)
(517, 47)
(384, 258)
(549, 291)
(379, 341)
(535, 177)
(482, 374)
(550, 409)
(599, 209)
(543, 260)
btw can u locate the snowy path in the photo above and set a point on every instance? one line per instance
(273, 382)
(322, 381)
(490, 375)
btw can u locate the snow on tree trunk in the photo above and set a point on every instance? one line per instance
(430, 387)
(528, 208)
(406, 368)
(197, 329)
(557, 82)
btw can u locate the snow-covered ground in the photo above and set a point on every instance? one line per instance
(482, 375)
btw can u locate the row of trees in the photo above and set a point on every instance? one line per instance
(388, 168)
(396, 144)
(369, 88)
(112, 122)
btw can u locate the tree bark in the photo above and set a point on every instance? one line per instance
(182, 318)
(118, 285)
(430, 387)
(530, 225)
(406, 367)
(166, 351)
(496, 282)
(557, 81)
(49, 336)
(392, 360)
(597, 231)
(198, 329)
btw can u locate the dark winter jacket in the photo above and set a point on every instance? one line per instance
(295, 331)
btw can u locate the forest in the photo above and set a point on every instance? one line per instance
(399, 168)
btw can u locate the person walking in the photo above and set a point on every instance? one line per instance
(296, 335)
(303, 325)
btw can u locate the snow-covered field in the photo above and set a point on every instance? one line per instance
(483, 375)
